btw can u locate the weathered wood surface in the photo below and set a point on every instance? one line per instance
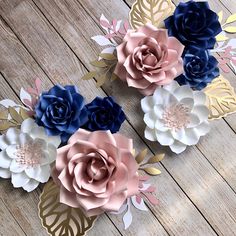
(50, 40)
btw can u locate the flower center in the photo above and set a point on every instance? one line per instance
(176, 116)
(29, 154)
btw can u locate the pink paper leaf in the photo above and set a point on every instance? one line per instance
(151, 198)
(38, 85)
(140, 205)
(104, 24)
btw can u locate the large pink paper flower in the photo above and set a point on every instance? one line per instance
(149, 58)
(96, 171)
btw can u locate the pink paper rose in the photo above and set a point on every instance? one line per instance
(148, 58)
(96, 171)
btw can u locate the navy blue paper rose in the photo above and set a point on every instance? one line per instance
(200, 68)
(193, 23)
(104, 114)
(61, 111)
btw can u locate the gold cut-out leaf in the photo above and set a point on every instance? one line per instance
(221, 98)
(221, 37)
(152, 171)
(100, 64)
(4, 115)
(230, 29)
(156, 158)
(15, 115)
(4, 125)
(140, 157)
(150, 11)
(108, 56)
(24, 115)
(60, 219)
(89, 75)
(220, 14)
(231, 19)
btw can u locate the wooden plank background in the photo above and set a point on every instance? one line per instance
(50, 40)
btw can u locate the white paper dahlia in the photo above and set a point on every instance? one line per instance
(175, 116)
(27, 154)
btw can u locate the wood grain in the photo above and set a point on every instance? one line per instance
(51, 40)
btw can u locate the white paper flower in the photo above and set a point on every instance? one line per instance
(175, 116)
(27, 154)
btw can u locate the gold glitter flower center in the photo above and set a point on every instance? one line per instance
(176, 116)
(29, 154)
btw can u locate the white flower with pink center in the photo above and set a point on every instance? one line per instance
(175, 116)
(27, 154)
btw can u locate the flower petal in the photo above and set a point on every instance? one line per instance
(147, 104)
(203, 128)
(3, 142)
(178, 134)
(4, 173)
(177, 147)
(164, 138)
(183, 91)
(191, 137)
(39, 173)
(16, 167)
(194, 121)
(150, 119)
(199, 98)
(27, 125)
(31, 185)
(202, 112)
(150, 134)
(19, 179)
(5, 161)
(160, 125)
(12, 135)
(11, 151)
(172, 86)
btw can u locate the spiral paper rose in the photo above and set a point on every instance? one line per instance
(60, 111)
(149, 58)
(200, 68)
(194, 24)
(96, 171)
(104, 114)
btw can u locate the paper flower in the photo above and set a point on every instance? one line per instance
(148, 58)
(194, 24)
(60, 111)
(27, 154)
(96, 171)
(175, 116)
(200, 68)
(104, 114)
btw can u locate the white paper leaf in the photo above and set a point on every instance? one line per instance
(140, 206)
(24, 95)
(145, 186)
(127, 218)
(101, 40)
(234, 67)
(118, 25)
(232, 43)
(8, 103)
(103, 18)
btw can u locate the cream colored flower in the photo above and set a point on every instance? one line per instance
(175, 116)
(27, 154)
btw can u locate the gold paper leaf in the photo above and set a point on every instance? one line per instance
(156, 158)
(89, 75)
(150, 11)
(221, 37)
(4, 125)
(221, 98)
(60, 219)
(101, 80)
(114, 77)
(140, 157)
(108, 56)
(14, 115)
(152, 171)
(230, 29)
(231, 19)
(100, 64)
(220, 14)
(4, 115)
(24, 114)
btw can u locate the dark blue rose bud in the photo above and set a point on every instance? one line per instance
(200, 68)
(61, 111)
(104, 114)
(193, 23)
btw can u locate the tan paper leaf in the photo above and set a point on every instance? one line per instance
(24, 115)
(89, 75)
(150, 11)
(60, 219)
(14, 115)
(108, 56)
(140, 157)
(4, 125)
(101, 80)
(220, 14)
(100, 64)
(221, 98)
(220, 38)
(231, 19)
(152, 171)
(4, 115)
(230, 29)
(156, 158)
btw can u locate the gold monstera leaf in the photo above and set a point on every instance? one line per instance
(150, 11)
(60, 219)
(221, 98)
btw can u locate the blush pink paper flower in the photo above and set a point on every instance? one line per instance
(96, 171)
(148, 58)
